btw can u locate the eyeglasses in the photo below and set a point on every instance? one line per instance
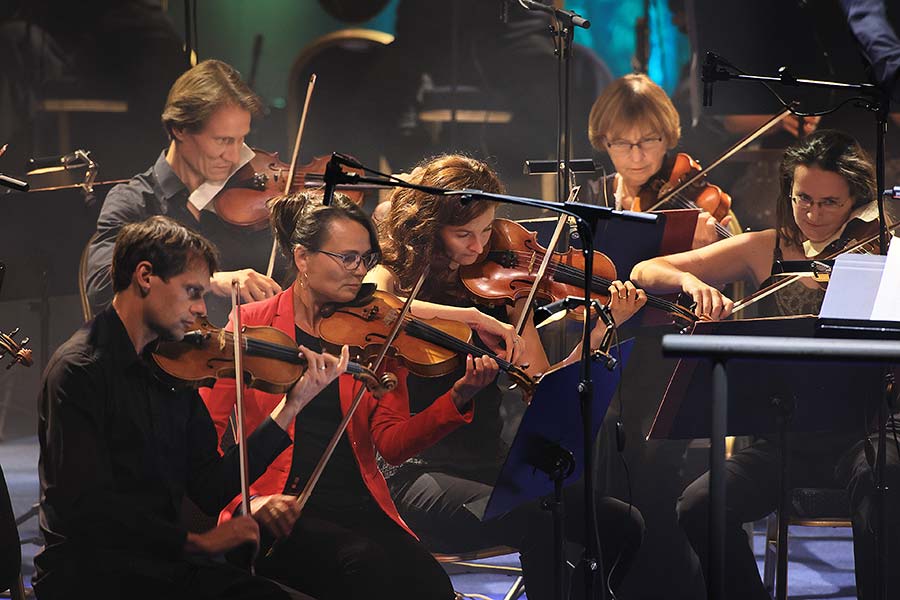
(352, 260)
(648, 144)
(828, 204)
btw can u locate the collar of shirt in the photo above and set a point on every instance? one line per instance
(112, 335)
(169, 183)
(203, 195)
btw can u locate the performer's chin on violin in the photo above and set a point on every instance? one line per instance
(636, 124)
(826, 205)
(422, 231)
(827, 193)
(348, 541)
(206, 147)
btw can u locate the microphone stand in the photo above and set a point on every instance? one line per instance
(567, 22)
(878, 101)
(585, 217)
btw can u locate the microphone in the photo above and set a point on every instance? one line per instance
(13, 183)
(546, 167)
(332, 172)
(64, 161)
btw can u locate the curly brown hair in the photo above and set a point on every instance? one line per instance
(410, 233)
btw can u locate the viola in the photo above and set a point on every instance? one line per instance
(427, 347)
(505, 273)
(244, 199)
(662, 190)
(271, 361)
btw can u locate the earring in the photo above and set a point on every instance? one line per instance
(304, 279)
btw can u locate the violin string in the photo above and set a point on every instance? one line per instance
(430, 333)
(287, 354)
(576, 276)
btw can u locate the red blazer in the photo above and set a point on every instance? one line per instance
(385, 425)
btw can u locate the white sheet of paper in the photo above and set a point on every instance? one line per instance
(204, 194)
(887, 302)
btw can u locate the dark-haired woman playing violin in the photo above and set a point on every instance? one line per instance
(433, 489)
(349, 542)
(827, 181)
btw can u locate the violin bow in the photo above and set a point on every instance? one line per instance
(548, 255)
(289, 180)
(240, 433)
(748, 139)
(771, 289)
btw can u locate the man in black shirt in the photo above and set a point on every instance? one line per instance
(207, 116)
(121, 446)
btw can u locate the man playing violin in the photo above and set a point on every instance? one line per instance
(435, 489)
(207, 116)
(349, 542)
(121, 446)
(827, 181)
(636, 124)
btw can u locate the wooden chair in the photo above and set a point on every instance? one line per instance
(808, 507)
(465, 563)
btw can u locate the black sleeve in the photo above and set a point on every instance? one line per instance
(214, 480)
(124, 204)
(80, 499)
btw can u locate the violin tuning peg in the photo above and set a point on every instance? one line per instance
(14, 332)
(24, 341)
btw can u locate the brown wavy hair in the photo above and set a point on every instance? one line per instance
(828, 150)
(410, 233)
(302, 220)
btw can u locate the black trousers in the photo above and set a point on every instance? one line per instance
(751, 481)
(433, 504)
(193, 578)
(355, 554)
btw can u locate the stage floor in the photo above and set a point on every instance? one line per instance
(821, 559)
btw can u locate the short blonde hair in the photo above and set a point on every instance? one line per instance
(633, 100)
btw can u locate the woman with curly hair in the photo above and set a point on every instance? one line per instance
(435, 490)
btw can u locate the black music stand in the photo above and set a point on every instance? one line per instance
(732, 404)
(549, 443)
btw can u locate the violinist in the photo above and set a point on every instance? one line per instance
(120, 447)
(207, 116)
(349, 542)
(636, 124)
(827, 181)
(433, 490)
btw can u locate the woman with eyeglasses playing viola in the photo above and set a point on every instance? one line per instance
(349, 542)
(635, 123)
(827, 181)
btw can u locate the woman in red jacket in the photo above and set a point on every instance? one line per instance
(349, 542)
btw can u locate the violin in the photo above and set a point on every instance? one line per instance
(244, 199)
(427, 347)
(505, 272)
(271, 361)
(19, 354)
(663, 188)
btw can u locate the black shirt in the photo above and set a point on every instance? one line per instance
(341, 485)
(119, 450)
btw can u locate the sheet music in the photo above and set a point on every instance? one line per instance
(887, 302)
